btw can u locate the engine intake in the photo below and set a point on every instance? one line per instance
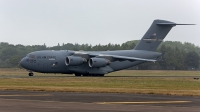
(74, 60)
(98, 62)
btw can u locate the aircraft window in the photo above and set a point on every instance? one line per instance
(31, 56)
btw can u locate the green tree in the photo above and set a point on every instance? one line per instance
(14, 60)
(192, 59)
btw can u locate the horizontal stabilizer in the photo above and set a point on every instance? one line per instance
(173, 24)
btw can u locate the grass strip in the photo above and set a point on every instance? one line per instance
(134, 85)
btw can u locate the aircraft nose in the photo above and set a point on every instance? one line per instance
(22, 62)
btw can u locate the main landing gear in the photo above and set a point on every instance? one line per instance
(85, 75)
(77, 74)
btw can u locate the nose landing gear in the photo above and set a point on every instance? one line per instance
(30, 73)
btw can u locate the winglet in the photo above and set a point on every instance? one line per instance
(160, 58)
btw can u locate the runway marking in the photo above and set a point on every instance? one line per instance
(27, 95)
(42, 101)
(147, 102)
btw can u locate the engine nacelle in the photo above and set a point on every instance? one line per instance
(74, 60)
(98, 62)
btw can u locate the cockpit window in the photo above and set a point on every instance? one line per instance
(31, 56)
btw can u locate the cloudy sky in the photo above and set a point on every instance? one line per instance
(35, 22)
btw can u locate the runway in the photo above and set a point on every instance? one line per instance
(22, 101)
(143, 76)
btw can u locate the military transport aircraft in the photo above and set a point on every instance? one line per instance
(98, 63)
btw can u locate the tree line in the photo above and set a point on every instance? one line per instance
(178, 56)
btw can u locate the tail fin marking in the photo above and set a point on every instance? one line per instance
(155, 35)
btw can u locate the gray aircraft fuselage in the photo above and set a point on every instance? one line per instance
(50, 61)
(95, 63)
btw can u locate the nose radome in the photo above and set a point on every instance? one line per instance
(22, 62)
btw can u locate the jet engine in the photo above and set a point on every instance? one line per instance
(98, 62)
(74, 60)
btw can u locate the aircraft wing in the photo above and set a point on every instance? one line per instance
(132, 58)
(124, 58)
(113, 57)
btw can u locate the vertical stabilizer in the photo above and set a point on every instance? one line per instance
(155, 35)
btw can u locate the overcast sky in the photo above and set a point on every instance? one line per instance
(35, 22)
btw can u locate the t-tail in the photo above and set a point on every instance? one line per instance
(155, 35)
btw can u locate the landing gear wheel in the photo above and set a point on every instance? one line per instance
(101, 75)
(30, 74)
(94, 75)
(77, 74)
(84, 75)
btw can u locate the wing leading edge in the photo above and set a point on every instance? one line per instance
(113, 57)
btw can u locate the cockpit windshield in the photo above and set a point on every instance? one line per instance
(30, 56)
